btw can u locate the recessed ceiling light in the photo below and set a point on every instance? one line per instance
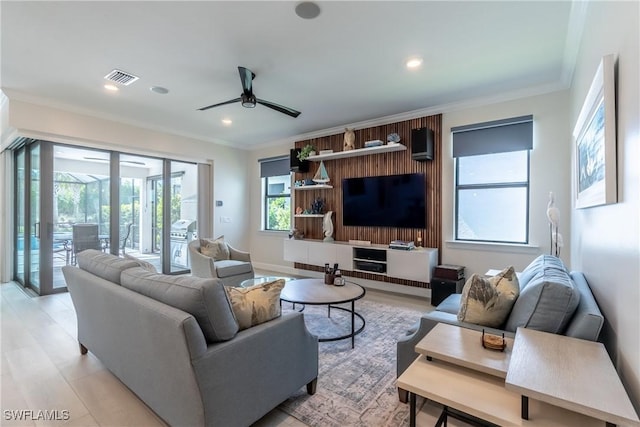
(159, 89)
(226, 122)
(112, 88)
(307, 10)
(414, 63)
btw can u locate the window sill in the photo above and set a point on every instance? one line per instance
(494, 247)
(274, 232)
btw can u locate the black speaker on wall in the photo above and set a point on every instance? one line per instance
(422, 144)
(295, 164)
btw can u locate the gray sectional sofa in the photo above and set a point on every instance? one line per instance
(551, 299)
(174, 341)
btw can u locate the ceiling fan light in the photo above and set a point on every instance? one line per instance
(248, 101)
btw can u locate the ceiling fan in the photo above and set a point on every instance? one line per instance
(249, 100)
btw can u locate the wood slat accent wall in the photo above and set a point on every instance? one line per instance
(374, 165)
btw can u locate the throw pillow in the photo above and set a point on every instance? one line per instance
(141, 263)
(216, 249)
(488, 301)
(256, 304)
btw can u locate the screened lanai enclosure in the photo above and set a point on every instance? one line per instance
(70, 199)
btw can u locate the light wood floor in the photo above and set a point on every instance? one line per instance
(42, 369)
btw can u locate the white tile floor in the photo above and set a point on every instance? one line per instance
(42, 369)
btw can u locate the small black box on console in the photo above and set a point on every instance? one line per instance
(450, 272)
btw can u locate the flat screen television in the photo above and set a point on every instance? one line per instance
(385, 201)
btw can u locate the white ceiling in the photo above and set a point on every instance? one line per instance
(344, 67)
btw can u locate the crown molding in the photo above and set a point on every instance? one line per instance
(428, 111)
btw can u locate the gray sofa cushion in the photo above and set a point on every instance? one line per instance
(546, 303)
(205, 299)
(538, 264)
(451, 304)
(103, 265)
(229, 267)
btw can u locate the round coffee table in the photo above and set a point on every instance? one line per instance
(315, 292)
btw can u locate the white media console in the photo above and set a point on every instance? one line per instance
(417, 264)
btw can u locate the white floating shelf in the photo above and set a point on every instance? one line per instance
(313, 187)
(388, 148)
(309, 215)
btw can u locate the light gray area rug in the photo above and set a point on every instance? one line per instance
(356, 387)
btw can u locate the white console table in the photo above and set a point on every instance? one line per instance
(417, 264)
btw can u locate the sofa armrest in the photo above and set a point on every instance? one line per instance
(238, 255)
(263, 365)
(201, 265)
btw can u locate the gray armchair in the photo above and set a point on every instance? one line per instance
(230, 271)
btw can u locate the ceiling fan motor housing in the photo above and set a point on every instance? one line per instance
(248, 101)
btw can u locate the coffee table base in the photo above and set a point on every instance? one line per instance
(353, 333)
(354, 314)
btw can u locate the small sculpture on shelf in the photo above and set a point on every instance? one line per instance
(298, 210)
(327, 227)
(296, 234)
(393, 138)
(349, 139)
(317, 206)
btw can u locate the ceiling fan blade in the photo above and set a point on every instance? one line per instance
(246, 77)
(231, 101)
(286, 110)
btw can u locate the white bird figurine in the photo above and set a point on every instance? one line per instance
(553, 215)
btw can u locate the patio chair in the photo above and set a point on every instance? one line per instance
(85, 236)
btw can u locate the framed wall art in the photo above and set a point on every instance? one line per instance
(595, 141)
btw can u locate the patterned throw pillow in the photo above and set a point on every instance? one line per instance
(488, 301)
(216, 249)
(141, 263)
(256, 304)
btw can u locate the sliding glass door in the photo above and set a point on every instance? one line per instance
(134, 201)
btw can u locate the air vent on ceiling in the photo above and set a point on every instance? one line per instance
(121, 77)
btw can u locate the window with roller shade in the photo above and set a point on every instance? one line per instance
(276, 193)
(492, 180)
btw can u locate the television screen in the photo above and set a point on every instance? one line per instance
(385, 201)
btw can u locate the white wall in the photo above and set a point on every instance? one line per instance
(606, 239)
(229, 164)
(550, 171)
(266, 246)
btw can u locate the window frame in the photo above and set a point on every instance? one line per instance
(490, 186)
(265, 202)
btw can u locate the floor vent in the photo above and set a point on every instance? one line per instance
(121, 77)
